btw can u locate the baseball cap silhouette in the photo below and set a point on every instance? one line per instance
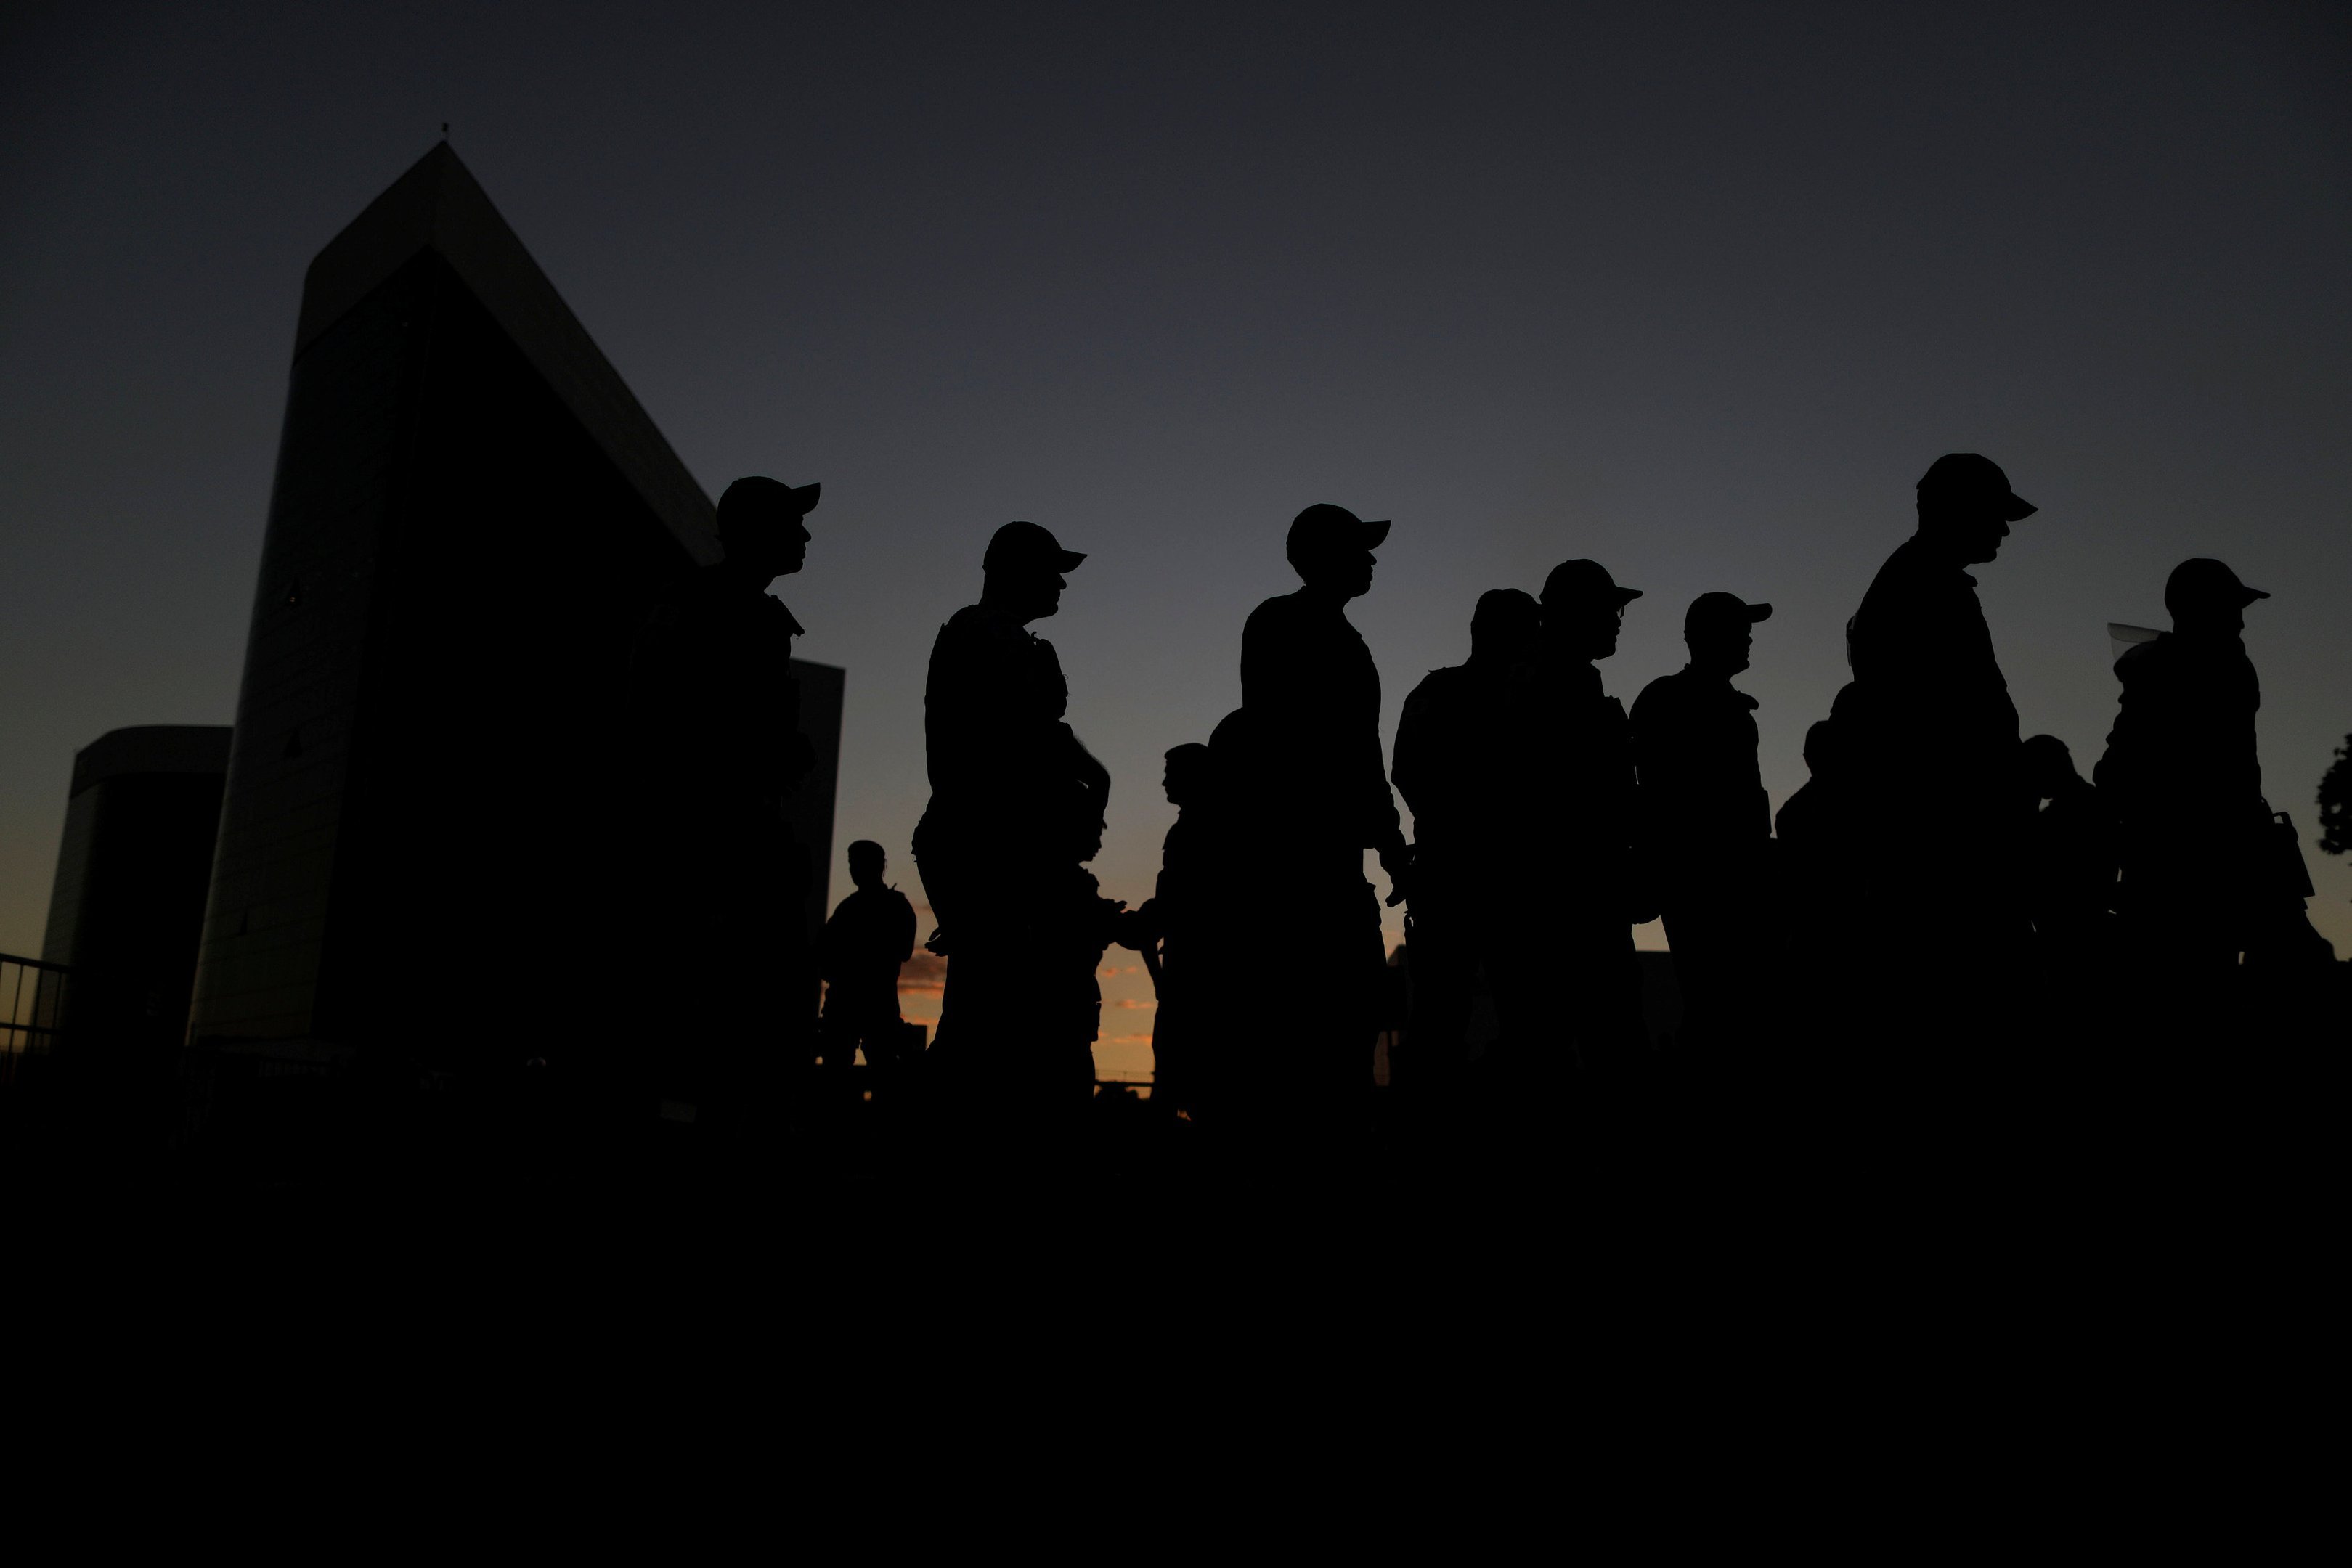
(2201, 582)
(756, 500)
(1710, 609)
(1025, 545)
(1579, 580)
(1970, 476)
(1323, 528)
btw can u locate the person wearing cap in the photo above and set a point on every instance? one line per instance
(1316, 797)
(1016, 802)
(1934, 750)
(1706, 828)
(1579, 829)
(2182, 775)
(710, 674)
(1460, 763)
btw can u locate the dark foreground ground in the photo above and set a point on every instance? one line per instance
(1794, 1316)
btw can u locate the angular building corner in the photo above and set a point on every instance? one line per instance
(469, 513)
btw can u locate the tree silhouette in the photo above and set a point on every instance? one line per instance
(2336, 802)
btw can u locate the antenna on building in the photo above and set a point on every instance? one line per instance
(445, 130)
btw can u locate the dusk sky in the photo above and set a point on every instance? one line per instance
(1694, 290)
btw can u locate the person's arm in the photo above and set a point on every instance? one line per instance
(968, 704)
(1416, 765)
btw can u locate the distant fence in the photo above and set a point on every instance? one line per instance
(32, 1013)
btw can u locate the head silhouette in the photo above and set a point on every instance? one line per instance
(2207, 600)
(1023, 571)
(762, 529)
(1720, 631)
(1583, 610)
(1965, 506)
(867, 863)
(1188, 777)
(2048, 766)
(1331, 547)
(1506, 628)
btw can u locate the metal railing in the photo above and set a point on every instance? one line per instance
(32, 1013)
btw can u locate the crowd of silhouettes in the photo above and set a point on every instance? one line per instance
(1944, 899)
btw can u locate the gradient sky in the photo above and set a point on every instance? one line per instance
(1695, 290)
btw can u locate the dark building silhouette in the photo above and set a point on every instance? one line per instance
(470, 518)
(809, 810)
(129, 899)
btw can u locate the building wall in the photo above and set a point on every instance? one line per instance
(421, 799)
(428, 835)
(348, 404)
(810, 812)
(133, 868)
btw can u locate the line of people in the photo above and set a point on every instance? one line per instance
(1918, 902)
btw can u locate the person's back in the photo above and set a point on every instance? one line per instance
(869, 936)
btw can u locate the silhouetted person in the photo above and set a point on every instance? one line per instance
(1461, 763)
(1079, 924)
(871, 934)
(728, 885)
(1175, 930)
(1934, 749)
(1820, 847)
(1706, 833)
(1014, 802)
(1317, 797)
(2205, 874)
(2336, 802)
(1580, 840)
(1811, 822)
